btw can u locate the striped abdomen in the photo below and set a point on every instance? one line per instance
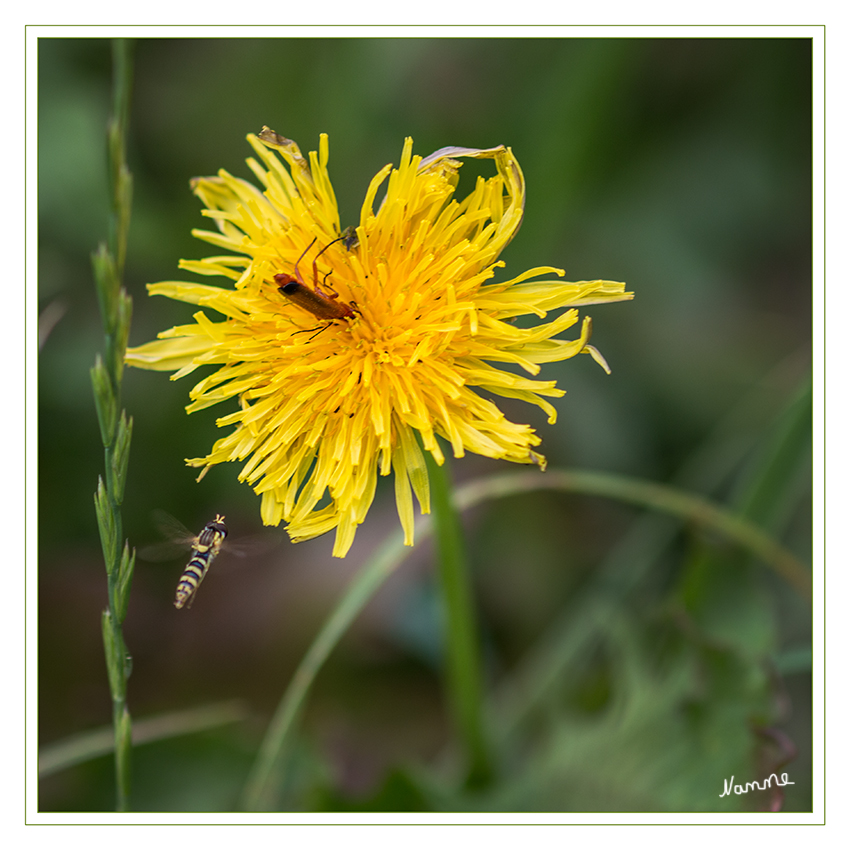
(205, 548)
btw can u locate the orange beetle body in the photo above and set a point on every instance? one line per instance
(323, 305)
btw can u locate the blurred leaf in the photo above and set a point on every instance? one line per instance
(721, 589)
(676, 726)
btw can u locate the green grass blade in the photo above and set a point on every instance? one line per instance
(257, 793)
(86, 746)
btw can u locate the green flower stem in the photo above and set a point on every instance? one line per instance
(391, 555)
(461, 647)
(115, 429)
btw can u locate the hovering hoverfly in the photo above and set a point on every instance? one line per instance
(205, 548)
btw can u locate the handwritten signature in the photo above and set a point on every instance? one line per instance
(728, 787)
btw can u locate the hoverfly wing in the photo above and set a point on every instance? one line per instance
(253, 545)
(178, 539)
(171, 528)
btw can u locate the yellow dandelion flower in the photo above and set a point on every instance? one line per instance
(342, 346)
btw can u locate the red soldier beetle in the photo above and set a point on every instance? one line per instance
(322, 303)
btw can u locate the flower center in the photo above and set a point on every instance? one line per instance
(390, 345)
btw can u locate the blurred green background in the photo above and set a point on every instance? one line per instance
(635, 661)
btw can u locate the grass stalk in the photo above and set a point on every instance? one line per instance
(257, 792)
(115, 428)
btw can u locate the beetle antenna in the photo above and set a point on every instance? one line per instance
(338, 239)
(302, 256)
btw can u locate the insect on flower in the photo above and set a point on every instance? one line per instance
(417, 356)
(322, 303)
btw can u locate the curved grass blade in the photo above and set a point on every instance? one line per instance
(695, 509)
